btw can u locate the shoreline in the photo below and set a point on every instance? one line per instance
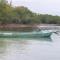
(18, 27)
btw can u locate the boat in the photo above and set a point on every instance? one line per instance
(33, 34)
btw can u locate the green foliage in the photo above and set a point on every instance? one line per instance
(22, 15)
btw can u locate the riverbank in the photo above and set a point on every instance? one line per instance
(25, 27)
(17, 27)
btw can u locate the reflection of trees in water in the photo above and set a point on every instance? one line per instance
(13, 46)
(17, 46)
(2, 46)
(20, 44)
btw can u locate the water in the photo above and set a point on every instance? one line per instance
(30, 49)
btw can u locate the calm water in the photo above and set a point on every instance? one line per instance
(30, 49)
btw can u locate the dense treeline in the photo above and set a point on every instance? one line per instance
(22, 15)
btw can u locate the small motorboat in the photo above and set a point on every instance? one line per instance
(33, 34)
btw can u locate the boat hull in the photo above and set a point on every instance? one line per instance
(24, 35)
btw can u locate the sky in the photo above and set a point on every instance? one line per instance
(51, 7)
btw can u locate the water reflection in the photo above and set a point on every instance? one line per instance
(11, 49)
(29, 49)
(2, 46)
